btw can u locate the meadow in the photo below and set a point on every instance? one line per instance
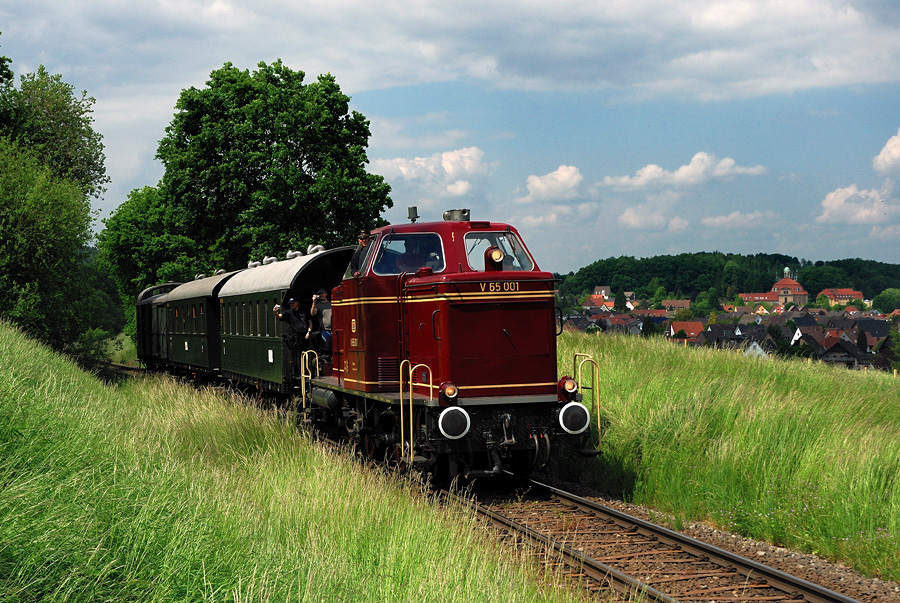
(800, 454)
(150, 490)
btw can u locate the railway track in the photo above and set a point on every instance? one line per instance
(606, 548)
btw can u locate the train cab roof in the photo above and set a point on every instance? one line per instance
(452, 246)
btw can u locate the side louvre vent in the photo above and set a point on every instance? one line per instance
(389, 370)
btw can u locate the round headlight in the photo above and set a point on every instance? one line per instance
(496, 255)
(574, 418)
(454, 422)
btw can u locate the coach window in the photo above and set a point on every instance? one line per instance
(515, 256)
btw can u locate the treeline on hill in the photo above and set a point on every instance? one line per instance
(256, 164)
(689, 274)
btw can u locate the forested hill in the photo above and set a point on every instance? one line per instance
(730, 274)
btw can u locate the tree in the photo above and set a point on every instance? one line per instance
(46, 116)
(44, 229)
(650, 328)
(887, 301)
(6, 81)
(260, 163)
(620, 303)
(140, 245)
(817, 278)
(683, 315)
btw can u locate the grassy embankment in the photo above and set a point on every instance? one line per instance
(152, 491)
(798, 454)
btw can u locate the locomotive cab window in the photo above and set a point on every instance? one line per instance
(409, 252)
(514, 255)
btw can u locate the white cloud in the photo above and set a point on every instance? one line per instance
(446, 168)
(641, 217)
(424, 180)
(890, 233)
(737, 219)
(853, 206)
(559, 185)
(458, 188)
(659, 213)
(702, 168)
(887, 162)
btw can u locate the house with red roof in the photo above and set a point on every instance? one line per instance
(840, 296)
(691, 328)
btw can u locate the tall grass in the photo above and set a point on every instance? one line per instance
(152, 491)
(799, 454)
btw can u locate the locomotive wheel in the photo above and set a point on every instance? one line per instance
(368, 445)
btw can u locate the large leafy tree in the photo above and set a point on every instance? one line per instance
(51, 163)
(44, 230)
(259, 163)
(46, 115)
(141, 245)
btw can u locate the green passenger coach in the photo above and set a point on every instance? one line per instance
(193, 318)
(252, 347)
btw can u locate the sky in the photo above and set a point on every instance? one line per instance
(598, 129)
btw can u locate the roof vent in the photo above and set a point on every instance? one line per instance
(219, 271)
(294, 254)
(253, 264)
(197, 277)
(456, 215)
(268, 259)
(314, 249)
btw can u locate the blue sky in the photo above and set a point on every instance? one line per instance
(598, 128)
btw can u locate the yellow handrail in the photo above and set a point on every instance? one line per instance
(595, 378)
(402, 421)
(306, 372)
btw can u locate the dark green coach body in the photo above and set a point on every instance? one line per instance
(193, 324)
(253, 349)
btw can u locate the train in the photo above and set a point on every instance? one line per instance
(442, 354)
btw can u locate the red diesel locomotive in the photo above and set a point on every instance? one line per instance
(443, 350)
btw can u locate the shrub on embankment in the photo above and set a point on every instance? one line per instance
(153, 491)
(799, 454)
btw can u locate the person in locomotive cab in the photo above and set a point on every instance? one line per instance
(320, 311)
(300, 328)
(360, 254)
(410, 260)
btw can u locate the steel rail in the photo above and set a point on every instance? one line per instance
(812, 593)
(600, 572)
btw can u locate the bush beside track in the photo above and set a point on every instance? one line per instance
(152, 491)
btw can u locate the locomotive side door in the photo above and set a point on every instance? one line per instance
(424, 325)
